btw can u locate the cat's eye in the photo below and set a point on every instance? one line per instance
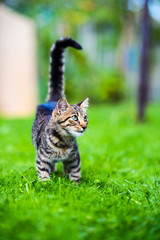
(74, 117)
(85, 118)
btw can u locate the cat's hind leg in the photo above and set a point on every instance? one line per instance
(65, 167)
(53, 167)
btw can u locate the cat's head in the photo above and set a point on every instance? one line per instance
(72, 119)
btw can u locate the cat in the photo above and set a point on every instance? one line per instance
(57, 123)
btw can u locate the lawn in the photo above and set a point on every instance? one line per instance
(119, 194)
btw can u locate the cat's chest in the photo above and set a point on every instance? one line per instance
(61, 154)
(62, 149)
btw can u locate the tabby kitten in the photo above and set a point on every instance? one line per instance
(57, 124)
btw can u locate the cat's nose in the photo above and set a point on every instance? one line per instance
(84, 128)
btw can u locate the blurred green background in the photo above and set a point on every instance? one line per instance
(107, 70)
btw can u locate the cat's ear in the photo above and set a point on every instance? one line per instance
(84, 104)
(62, 106)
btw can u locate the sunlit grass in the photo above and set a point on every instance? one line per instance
(119, 195)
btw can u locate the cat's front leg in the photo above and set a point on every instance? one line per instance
(74, 168)
(43, 165)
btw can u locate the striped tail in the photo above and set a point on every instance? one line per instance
(56, 81)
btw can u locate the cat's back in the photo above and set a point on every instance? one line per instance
(43, 115)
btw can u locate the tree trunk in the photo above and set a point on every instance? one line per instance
(144, 63)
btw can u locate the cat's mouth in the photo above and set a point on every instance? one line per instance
(76, 133)
(81, 131)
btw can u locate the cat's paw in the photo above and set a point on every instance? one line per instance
(76, 182)
(44, 179)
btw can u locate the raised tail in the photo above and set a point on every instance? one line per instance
(56, 80)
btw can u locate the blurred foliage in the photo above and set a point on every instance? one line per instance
(111, 87)
(83, 77)
(56, 18)
(100, 85)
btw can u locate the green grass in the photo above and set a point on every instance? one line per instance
(119, 195)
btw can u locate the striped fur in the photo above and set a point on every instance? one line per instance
(57, 124)
(56, 88)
